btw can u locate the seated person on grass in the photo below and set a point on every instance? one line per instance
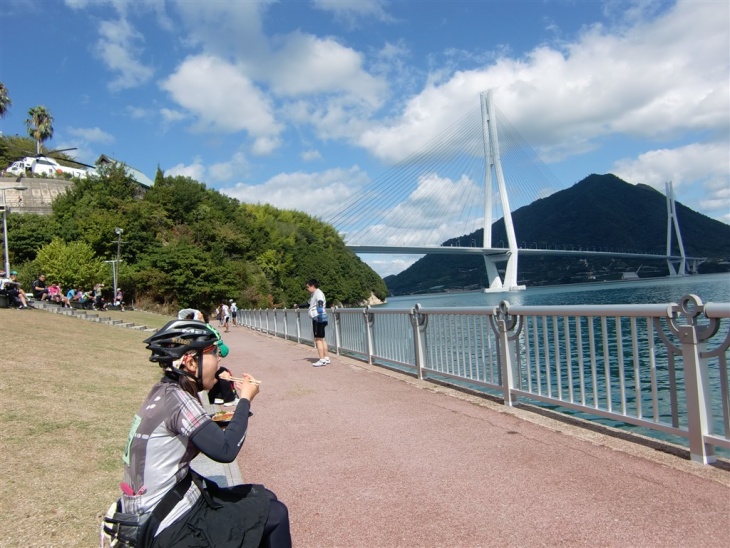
(40, 291)
(178, 506)
(11, 289)
(55, 294)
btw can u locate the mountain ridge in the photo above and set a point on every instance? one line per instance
(602, 212)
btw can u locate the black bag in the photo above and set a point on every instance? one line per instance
(138, 530)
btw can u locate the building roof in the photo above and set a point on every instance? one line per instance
(134, 173)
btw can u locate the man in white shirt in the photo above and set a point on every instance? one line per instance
(11, 288)
(317, 306)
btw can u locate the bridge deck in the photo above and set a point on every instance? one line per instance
(367, 457)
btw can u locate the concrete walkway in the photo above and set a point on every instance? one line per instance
(366, 457)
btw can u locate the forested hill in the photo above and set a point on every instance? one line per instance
(186, 245)
(601, 212)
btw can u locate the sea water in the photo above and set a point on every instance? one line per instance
(710, 288)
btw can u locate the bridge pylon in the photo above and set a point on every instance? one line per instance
(494, 164)
(681, 263)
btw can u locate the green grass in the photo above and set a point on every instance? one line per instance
(69, 391)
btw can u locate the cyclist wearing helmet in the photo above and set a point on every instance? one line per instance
(167, 503)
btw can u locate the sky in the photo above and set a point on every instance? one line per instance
(301, 103)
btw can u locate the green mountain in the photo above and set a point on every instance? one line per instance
(601, 213)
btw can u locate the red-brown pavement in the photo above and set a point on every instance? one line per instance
(364, 457)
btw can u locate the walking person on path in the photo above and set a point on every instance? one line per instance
(234, 312)
(226, 314)
(317, 305)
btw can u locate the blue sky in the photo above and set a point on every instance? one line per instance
(300, 103)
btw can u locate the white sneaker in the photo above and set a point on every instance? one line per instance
(326, 360)
(231, 403)
(320, 363)
(218, 401)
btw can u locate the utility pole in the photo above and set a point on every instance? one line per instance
(118, 231)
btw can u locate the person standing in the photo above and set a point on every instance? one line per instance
(226, 314)
(317, 305)
(234, 312)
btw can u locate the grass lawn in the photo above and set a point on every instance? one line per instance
(69, 391)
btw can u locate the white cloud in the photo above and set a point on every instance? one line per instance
(310, 155)
(221, 97)
(118, 48)
(385, 265)
(92, 134)
(138, 112)
(313, 193)
(350, 11)
(237, 166)
(169, 115)
(696, 164)
(653, 80)
(196, 170)
(304, 64)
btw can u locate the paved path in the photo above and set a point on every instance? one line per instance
(367, 457)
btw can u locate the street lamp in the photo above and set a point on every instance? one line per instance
(5, 225)
(118, 231)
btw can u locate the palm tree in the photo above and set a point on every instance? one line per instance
(40, 125)
(5, 101)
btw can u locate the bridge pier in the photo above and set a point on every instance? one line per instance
(510, 275)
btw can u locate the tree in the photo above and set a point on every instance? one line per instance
(5, 101)
(72, 265)
(40, 125)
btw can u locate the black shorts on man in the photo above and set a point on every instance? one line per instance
(318, 329)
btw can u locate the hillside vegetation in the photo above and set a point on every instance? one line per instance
(601, 213)
(185, 245)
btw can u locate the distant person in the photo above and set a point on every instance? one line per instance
(170, 429)
(10, 287)
(234, 312)
(226, 313)
(98, 297)
(119, 299)
(317, 305)
(55, 294)
(40, 291)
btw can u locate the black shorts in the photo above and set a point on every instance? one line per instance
(318, 329)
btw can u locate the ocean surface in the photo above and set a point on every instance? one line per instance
(709, 287)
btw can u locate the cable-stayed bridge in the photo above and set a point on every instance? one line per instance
(455, 184)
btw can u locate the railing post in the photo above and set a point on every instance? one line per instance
(506, 335)
(692, 337)
(418, 322)
(697, 387)
(299, 327)
(336, 317)
(276, 323)
(369, 320)
(286, 327)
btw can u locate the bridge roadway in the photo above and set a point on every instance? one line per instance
(502, 252)
(365, 457)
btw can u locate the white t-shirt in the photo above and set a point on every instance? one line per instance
(316, 296)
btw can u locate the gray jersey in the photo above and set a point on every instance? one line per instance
(159, 449)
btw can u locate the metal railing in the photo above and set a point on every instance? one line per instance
(663, 367)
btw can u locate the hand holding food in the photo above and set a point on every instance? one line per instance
(247, 387)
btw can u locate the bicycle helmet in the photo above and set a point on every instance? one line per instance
(177, 338)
